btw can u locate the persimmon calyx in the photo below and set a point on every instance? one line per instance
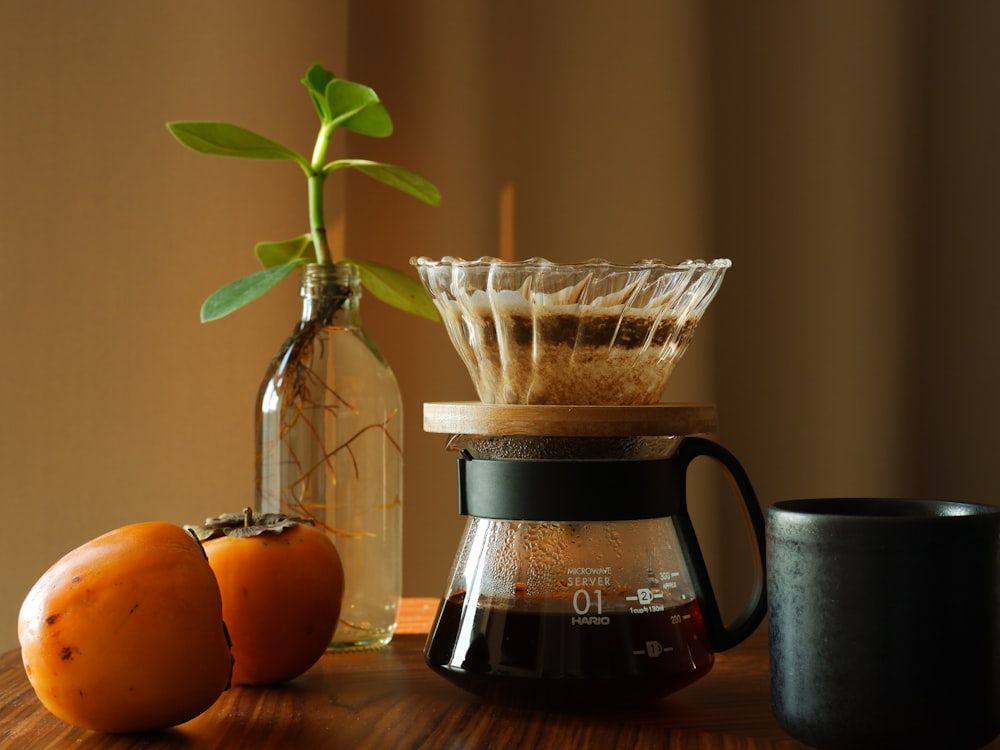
(245, 524)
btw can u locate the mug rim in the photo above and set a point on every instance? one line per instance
(895, 509)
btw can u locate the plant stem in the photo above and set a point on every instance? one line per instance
(317, 224)
(317, 176)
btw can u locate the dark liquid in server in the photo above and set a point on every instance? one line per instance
(541, 653)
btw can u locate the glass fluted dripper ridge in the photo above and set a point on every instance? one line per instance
(538, 332)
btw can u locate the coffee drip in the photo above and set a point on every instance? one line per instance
(579, 580)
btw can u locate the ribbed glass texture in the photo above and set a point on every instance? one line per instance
(598, 333)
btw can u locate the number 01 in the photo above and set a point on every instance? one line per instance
(582, 601)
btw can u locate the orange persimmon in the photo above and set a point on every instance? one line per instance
(282, 585)
(125, 633)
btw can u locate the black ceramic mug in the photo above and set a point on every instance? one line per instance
(885, 622)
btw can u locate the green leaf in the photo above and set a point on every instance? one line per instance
(238, 293)
(397, 177)
(358, 108)
(395, 288)
(316, 80)
(275, 253)
(223, 139)
(340, 103)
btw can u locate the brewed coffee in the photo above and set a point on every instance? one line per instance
(539, 653)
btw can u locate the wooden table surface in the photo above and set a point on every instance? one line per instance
(390, 699)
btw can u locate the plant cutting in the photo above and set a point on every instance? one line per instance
(329, 412)
(340, 104)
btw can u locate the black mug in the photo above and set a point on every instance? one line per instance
(885, 622)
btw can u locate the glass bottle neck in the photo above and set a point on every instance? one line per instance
(331, 293)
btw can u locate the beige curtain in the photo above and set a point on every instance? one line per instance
(843, 154)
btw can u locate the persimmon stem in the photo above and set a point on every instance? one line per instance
(247, 517)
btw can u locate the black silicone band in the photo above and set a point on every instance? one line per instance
(568, 490)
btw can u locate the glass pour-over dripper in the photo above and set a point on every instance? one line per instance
(536, 332)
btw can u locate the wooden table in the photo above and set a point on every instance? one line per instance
(390, 699)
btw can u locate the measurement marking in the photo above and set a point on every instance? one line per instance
(653, 650)
(645, 596)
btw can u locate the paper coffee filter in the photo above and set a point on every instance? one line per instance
(537, 332)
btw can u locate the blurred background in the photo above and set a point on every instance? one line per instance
(845, 155)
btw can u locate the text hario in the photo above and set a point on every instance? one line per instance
(588, 576)
(591, 620)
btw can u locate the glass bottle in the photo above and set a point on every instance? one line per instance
(329, 448)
